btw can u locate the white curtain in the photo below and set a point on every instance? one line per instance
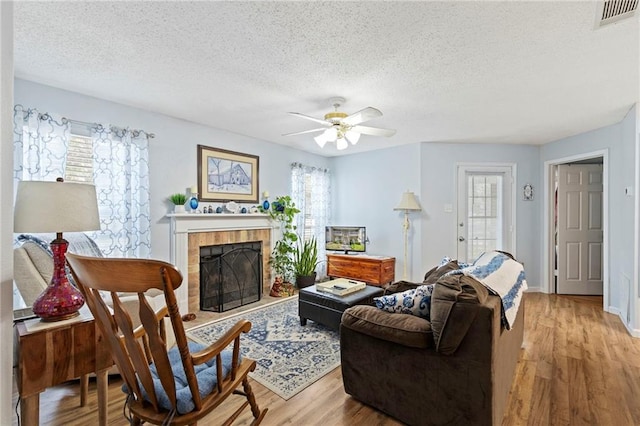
(121, 176)
(40, 143)
(120, 173)
(311, 193)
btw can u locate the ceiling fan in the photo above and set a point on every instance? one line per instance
(340, 127)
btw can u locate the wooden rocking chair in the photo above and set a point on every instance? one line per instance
(178, 386)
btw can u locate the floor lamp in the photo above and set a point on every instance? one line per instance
(408, 204)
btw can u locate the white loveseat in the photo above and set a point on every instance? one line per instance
(33, 268)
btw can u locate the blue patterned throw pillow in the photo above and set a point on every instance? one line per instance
(413, 302)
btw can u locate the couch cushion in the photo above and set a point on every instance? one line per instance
(406, 330)
(205, 375)
(437, 271)
(40, 258)
(416, 301)
(400, 286)
(454, 306)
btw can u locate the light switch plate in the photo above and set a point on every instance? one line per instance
(448, 208)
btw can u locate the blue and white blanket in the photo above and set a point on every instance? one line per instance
(504, 277)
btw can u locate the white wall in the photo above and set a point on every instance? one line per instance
(636, 245)
(619, 139)
(438, 177)
(173, 151)
(6, 212)
(367, 187)
(627, 207)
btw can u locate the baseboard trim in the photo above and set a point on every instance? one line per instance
(634, 332)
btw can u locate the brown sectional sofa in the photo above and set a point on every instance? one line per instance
(456, 369)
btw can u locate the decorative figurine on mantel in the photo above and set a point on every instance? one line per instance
(193, 201)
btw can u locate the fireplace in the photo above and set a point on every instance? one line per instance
(189, 232)
(230, 275)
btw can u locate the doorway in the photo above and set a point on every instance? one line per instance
(578, 228)
(549, 229)
(485, 219)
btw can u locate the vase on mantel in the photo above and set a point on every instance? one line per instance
(193, 203)
(179, 208)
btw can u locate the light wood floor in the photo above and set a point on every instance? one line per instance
(578, 366)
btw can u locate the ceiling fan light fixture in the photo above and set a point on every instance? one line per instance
(321, 140)
(335, 116)
(343, 128)
(352, 136)
(341, 143)
(331, 134)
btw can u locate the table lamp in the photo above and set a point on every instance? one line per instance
(56, 207)
(407, 204)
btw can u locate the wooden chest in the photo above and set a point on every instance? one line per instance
(375, 270)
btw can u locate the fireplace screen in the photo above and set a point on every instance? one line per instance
(230, 275)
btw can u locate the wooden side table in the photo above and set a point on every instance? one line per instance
(53, 353)
(375, 270)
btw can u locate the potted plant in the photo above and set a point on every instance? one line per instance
(305, 261)
(178, 200)
(283, 211)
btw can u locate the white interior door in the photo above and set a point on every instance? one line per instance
(485, 222)
(579, 229)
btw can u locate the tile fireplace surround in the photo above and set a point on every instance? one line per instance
(191, 231)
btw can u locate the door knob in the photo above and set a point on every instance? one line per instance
(460, 239)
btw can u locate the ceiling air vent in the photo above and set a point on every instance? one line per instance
(611, 11)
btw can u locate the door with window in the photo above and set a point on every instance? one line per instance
(485, 210)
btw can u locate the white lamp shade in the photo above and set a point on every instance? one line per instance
(331, 134)
(55, 207)
(341, 144)
(321, 140)
(408, 202)
(352, 137)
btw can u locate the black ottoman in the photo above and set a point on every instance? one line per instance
(327, 308)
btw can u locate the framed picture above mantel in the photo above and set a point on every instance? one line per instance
(225, 175)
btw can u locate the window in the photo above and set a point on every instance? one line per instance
(483, 213)
(79, 165)
(311, 193)
(309, 222)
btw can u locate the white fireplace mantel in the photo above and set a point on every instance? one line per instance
(183, 224)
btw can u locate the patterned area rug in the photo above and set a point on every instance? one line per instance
(289, 357)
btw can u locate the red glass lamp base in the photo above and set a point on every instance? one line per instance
(60, 300)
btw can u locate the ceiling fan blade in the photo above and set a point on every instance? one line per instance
(373, 131)
(305, 131)
(308, 117)
(369, 113)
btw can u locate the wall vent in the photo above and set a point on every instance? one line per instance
(610, 11)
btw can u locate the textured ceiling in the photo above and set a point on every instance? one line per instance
(497, 72)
